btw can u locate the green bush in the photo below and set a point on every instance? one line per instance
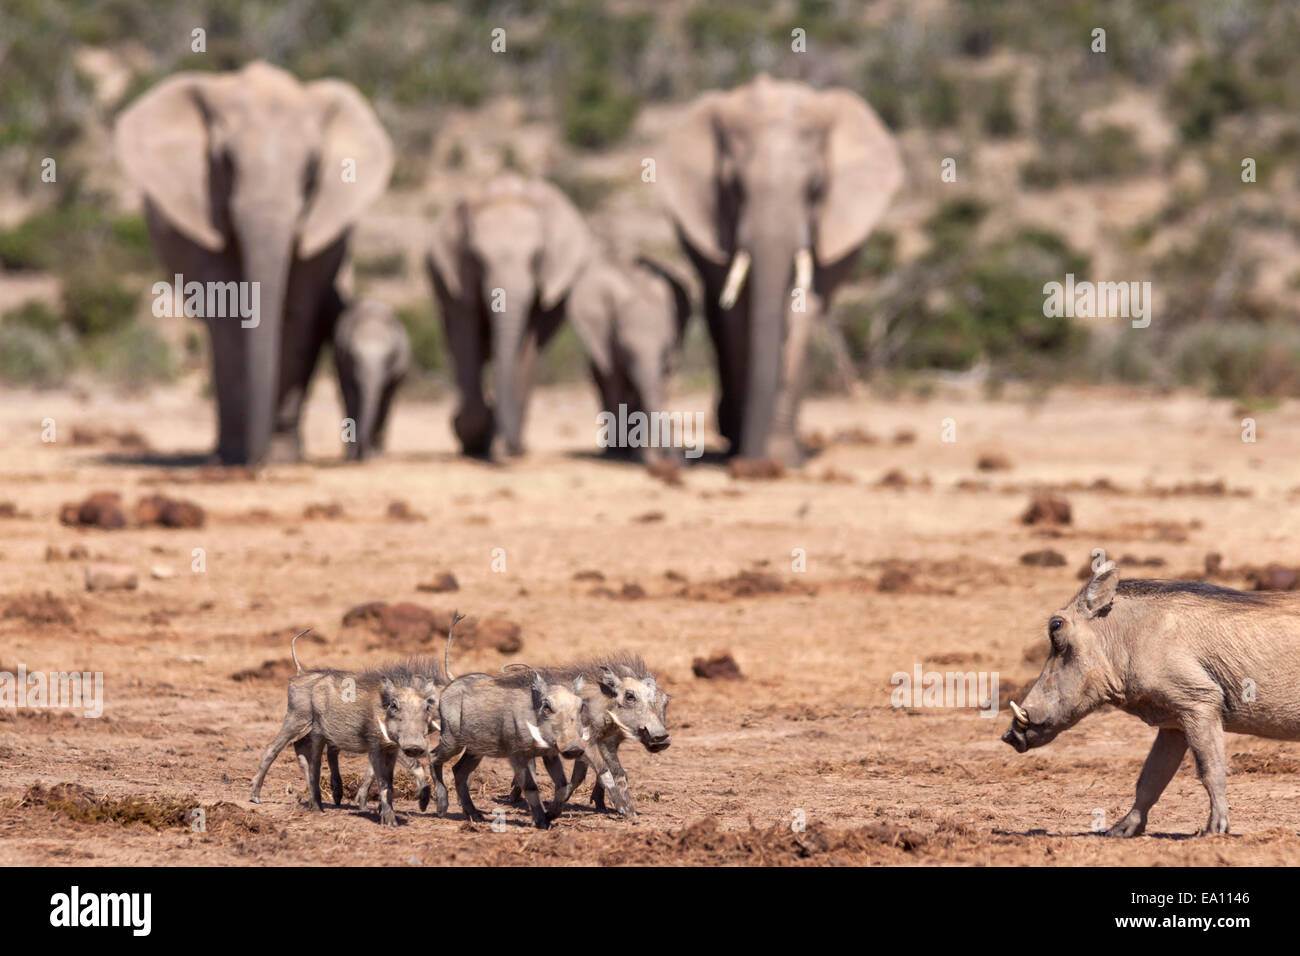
(594, 113)
(133, 354)
(36, 315)
(380, 265)
(95, 303)
(68, 235)
(424, 326)
(31, 357)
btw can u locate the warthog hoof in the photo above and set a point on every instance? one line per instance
(1218, 823)
(254, 798)
(424, 799)
(1128, 827)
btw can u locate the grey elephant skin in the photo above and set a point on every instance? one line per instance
(630, 317)
(1190, 658)
(774, 187)
(253, 177)
(502, 260)
(372, 354)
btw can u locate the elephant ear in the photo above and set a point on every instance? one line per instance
(864, 170)
(688, 176)
(566, 246)
(445, 247)
(681, 299)
(355, 162)
(589, 312)
(161, 141)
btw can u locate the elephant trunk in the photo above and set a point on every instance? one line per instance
(369, 394)
(267, 256)
(509, 329)
(768, 293)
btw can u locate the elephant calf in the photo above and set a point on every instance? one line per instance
(630, 318)
(372, 352)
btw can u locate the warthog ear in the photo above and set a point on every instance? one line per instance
(608, 682)
(652, 688)
(578, 684)
(539, 691)
(386, 690)
(1100, 591)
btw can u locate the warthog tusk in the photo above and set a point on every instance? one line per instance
(1022, 718)
(384, 730)
(622, 726)
(735, 279)
(536, 734)
(803, 270)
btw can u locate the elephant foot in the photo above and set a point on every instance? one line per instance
(787, 450)
(475, 428)
(284, 449)
(502, 450)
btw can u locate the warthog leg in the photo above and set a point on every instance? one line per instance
(1161, 765)
(309, 750)
(524, 771)
(460, 773)
(410, 764)
(336, 779)
(1204, 732)
(613, 779)
(294, 727)
(555, 767)
(382, 762)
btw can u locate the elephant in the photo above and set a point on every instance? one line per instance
(252, 181)
(372, 354)
(502, 259)
(630, 317)
(773, 187)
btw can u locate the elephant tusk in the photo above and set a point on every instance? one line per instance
(803, 269)
(1022, 718)
(735, 279)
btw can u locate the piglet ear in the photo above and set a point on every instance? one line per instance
(1098, 593)
(608, 682)
(539, 691)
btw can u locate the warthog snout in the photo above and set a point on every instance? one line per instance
(1016, 738)
(415, 750)
(655, 742)
(572, 751)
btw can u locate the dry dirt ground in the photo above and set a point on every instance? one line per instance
(809, 729)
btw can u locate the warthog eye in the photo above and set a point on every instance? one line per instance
(1054, 631)
(630, 697)
(546, 709)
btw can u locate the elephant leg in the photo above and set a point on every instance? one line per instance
(474, 423)
(730, 347)
(381, 419)
(312, 309)
(227, 377)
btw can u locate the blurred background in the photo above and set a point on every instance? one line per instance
(1116, 166)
